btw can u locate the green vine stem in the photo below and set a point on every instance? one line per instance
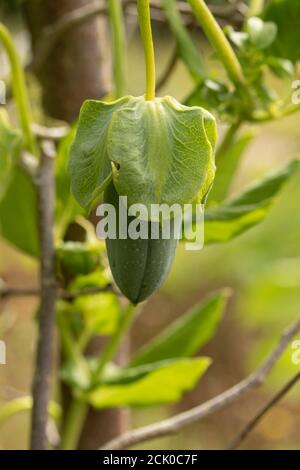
(118, 42)
(218, 40)
(146, 33)
(228, 140)
(74, 423)
(79, 408)
(112, 345)
(19, 89)
(255, 8)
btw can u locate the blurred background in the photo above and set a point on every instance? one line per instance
(262, 266)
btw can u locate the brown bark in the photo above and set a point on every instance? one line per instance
(76, 69)
(44, 362)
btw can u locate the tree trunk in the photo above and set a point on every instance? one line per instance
(76, 69)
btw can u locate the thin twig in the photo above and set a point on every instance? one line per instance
(6, 292)
(261, 413)
(168, 71)
(89, 291)
(50, 133)
(232, 14)
(29, 164)
(44, 361)
(177, 422)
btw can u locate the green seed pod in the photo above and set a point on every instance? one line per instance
(140, 266)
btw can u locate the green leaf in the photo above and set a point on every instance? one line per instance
(160, 151)
(166, 384)
(285, 14)
(188, 334)
(19, 214)
(100, 312)
(282, 68)
(95, 279)
(185, 46)
(163, 152)
(267, 188)
(89, 167)
(261, 34)
(238, 38)
(76, 374)
(66, 207)
(247, 209)
(218, 98)
(225, 222)
(115, 375)
(75, 258)
(227, 168)
(19, 405)
(10, 149)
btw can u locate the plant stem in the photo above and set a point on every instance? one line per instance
(78, 408)
(228, 139)
(114, 342)
(118, 40)
(74, 424)
(255, 8)
(19, 89)
(218, 40)
(176, 423)
(146, 33)
(263, 411)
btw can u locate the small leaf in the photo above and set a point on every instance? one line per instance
(218, 98)
(285, 14)
(76, 374)
(18, 195)
(267, 188)
(225, 222)
(261, 34)
(100, 312)
(114, 375)
(282, 68)
(238, 38)
(10, 149)
(89, 165)
(246, 209)
(187, 335)
(19, 215)
(163, 152)
(22, 404)
(161, 386)
(95, 279)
